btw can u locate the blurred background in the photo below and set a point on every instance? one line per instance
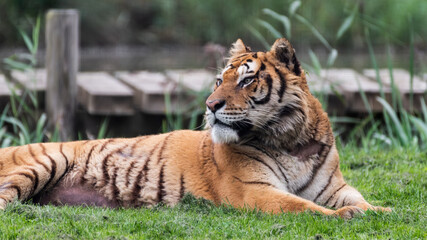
(366, 62)
(125, 29)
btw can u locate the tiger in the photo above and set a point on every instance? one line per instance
(268, 145)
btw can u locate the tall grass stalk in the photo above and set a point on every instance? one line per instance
(22, 122)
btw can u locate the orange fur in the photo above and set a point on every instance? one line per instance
(269, 146)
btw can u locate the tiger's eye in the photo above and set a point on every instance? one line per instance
(218, 82)
(247, 80)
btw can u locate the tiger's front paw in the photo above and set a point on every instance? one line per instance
(348, 212)
(2, 204)
(367, 206)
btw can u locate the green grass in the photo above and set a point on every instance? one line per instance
(388, 177)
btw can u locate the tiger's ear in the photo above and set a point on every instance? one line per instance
(285, 53)
(238, 48)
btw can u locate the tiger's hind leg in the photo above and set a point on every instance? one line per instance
(27, 170)
(16, 186)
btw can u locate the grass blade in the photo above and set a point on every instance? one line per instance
(36, 34)
(294, 7)
(40, 127)
(282, 18)
(259, 36)
(102, 133)
(315, 61)
(421, 127)
(27, 41)
(315, 32)
(23, 130)
(347, 23)
(397, 124)
(270, 28)
(332, 57)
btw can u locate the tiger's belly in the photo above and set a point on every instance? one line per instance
(74, 196)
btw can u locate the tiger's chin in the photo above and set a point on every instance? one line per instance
(224, 134)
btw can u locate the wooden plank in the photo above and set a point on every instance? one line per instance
(350, 84)
(402, 81)
(150, 89)
(194, 79)
(62, 60)
(318, 84)
(100, 93)
(33, 81)
(322, 88)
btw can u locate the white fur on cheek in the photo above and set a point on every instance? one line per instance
(223, 134)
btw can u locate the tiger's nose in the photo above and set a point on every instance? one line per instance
(214, 105)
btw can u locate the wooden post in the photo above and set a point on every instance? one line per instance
(62, 62)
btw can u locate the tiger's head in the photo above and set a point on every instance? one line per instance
(259, 95)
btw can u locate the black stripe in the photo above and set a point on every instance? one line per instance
(36, 159)
(165, 141)
(266, 99)
(36, 181)
(83, 179)
(262, 150)
(29, 176)
(136, 186)
(253, 182)
(106, 176)
(273, 158)
(286, 111)
(297, 69)
(66, 163)
(136, 189)
(161, 192)
(282, 89)
(344, 200)
(282, 54)
(65, 157)
(327, 184)
(260, 161)
(18, 190)
(132, 165)
(115, 189)
(251, 103)
(53, 163)
(182, 188)
(255, 55)
(332, 195)
(283, 174)
(105, 144)
(316, 167)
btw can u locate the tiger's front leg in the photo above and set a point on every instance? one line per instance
(271, 200)
(345, 195)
